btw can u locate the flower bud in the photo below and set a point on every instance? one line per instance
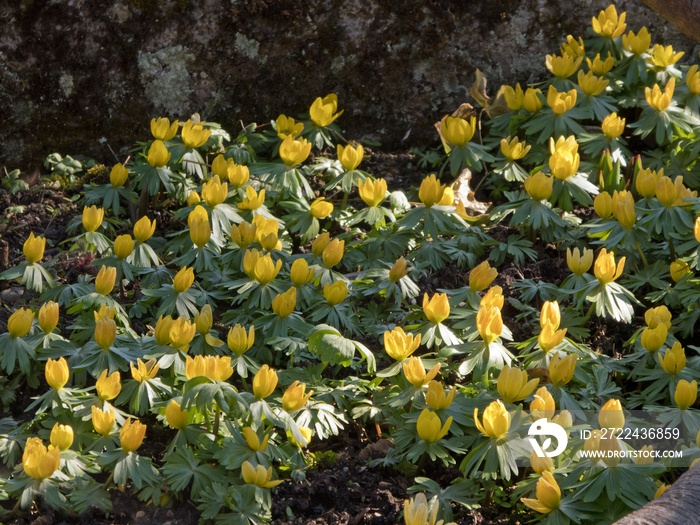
(56, 373)
(123, 246)
(104, 282)
(33, 248)
(48, 316)
(144, 229)
(118, 175)
(61, 436)
(264, 382)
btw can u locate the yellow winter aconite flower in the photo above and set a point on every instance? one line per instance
(561, 102)
(37, 461)
(624, 211)
(300, 273)
(674, 360)
(514, 97)
(92, 218)
(663, 57)
(603, 205)
(489, 323)
(162, 330)
(686, 394)
(284, 303)
(417, 511)
(104, 311)
(252, 440)
(605, 269)
(550, 314)
(194, 135)
(372, 192)
(333, 253)
(198, 213)
(258, 476)
(563, 66)
(105, 332)
(335, 293)
(436, 398)
(243, 234)
(238, 341)
(321, 208)
(646, 182)
(323, 110)
(657, 99)
(637, 44)
(458, 131)
(123, 246)
(599, 66)
(543, 406)
(162, 129)
(666, 191)
(118, 175)
(430, 191)
(264, 382)
(591, 85)
(613, 126)
(261, 267)
(563, 419)
(293, 152)
(611, 415)
(158, 154)
(513, 149)
(531, 101)
(183, 279)
(175, 416)
(659, 315)
(577, 263)
(216, 368)
(565, 159)
(237, 174)
(539, 186)
(549, 338)
(415, 372)
(144, 229)
(513, 384)
(692, 79)
(214, 192)
(562, 371)
(104, 282)
(61, 436)
(448, 197)
(350, 157)
(48, 317)
(33, 248)
(573, 47)
(496, 420)
(181, 333)
(287, 126)
(663, 487)
(399, 270)
(437, 308)
(399, 345)
(306, 433)
(494, 297)
(539, 465)
(56, 373)
(144, 371)
(430, 428)
(253, 200)
(547, 491)
(295, 397)
(608, 24)
(200, 232)
(679, 269)
(108, 387)
(481, 276)
(103, 422)
(131, 435)
(193, 198)
(20, 322)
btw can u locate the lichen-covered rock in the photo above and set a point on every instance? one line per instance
(78, 75)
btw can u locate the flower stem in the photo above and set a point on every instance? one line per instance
(641, 253)
(671, 248)
(217, 418)
(421, 463)
(109, 481)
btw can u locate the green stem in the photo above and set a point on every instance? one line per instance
(109, 481)
(421, 463)
(641, 253)
(671, 248)
(245, 383)
(16, 507)
(345, 201)
(217, 418)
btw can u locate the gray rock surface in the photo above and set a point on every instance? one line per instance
(78, 75)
